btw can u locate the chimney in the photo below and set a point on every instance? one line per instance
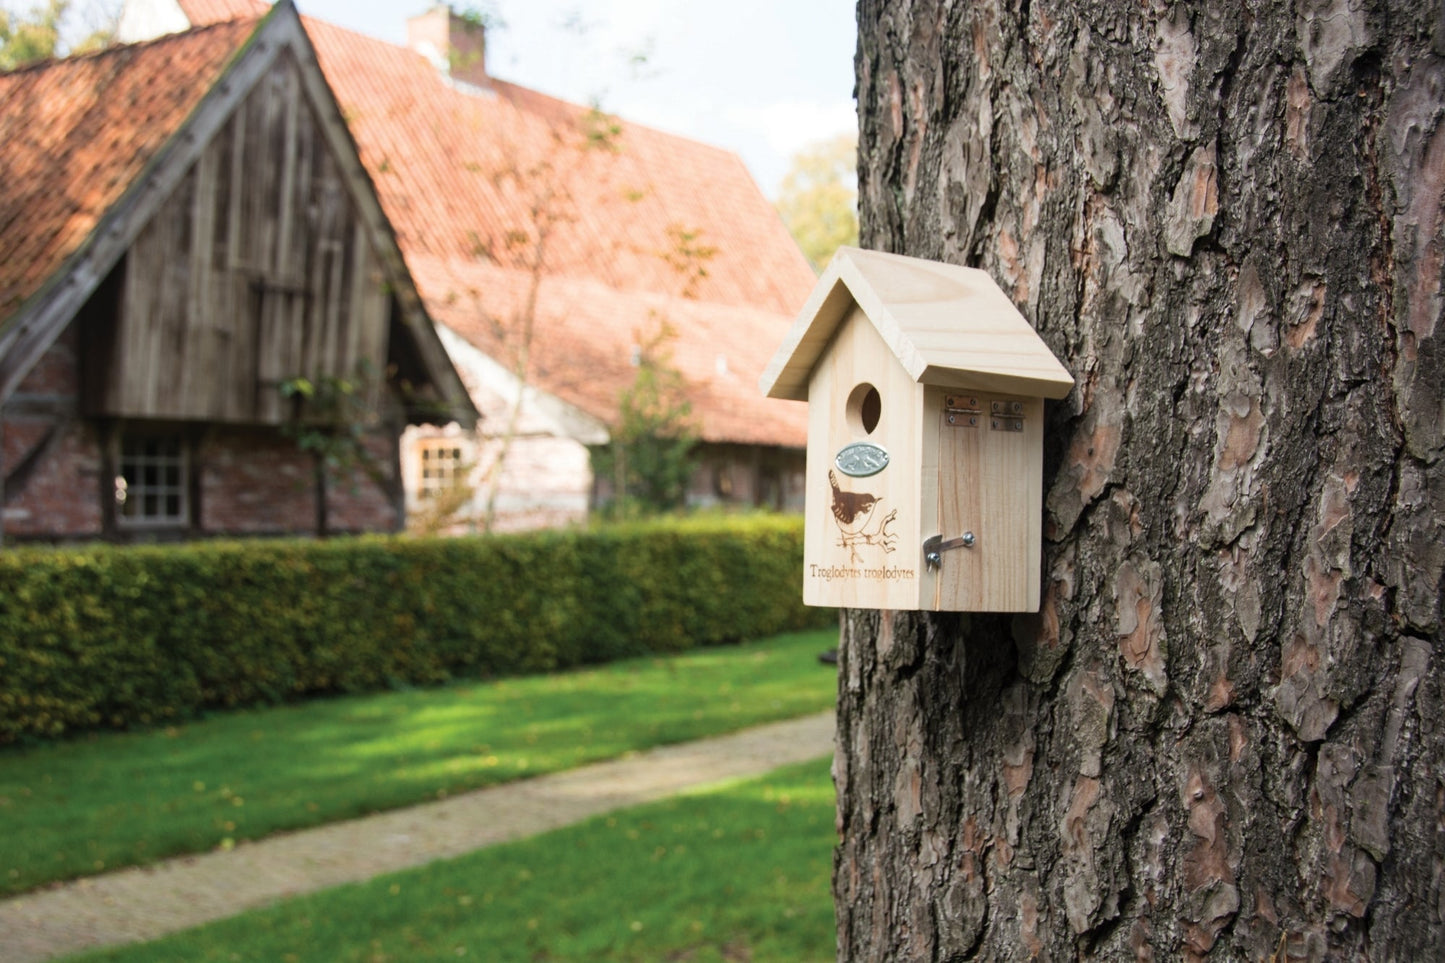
(455, 44)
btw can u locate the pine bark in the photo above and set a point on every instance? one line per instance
(1223, 735)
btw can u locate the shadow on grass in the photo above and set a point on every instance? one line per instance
(90, 805)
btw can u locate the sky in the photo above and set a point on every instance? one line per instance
(763, 78)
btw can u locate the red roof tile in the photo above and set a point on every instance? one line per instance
(202, 12)
(584, 335)
(75, 134)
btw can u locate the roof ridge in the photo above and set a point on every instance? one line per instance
(234, 10)
(530, 92)
(629, 123)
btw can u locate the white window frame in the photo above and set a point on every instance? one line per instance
(441, 465)
(168, 484)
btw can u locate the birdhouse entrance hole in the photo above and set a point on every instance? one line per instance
(865, 407)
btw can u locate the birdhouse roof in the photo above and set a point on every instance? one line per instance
(946, 324)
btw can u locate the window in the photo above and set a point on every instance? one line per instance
(442, 467)
(151, 486)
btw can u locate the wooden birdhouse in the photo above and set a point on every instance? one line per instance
(925, 390)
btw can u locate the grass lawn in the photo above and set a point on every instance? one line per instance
(738, 873)
(76, 808)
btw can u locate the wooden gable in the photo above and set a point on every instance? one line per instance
(257, 269)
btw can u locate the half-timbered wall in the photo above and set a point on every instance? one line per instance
(50, 456)
(244, 480)
(257, 270)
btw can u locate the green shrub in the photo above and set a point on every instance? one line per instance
(104, 636)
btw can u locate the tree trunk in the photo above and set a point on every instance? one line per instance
(1223, 735)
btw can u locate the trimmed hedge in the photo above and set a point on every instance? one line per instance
(105, 636)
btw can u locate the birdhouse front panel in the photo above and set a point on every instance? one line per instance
(861, 533)
(987, 501)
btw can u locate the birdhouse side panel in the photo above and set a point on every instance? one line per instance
(861, 539)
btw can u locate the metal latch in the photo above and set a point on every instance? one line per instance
(934, 546)
(961, 411)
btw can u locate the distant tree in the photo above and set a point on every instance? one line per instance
(544, 186)
(40, 31)
(30, 36)
(483, 15)
(650, 456)
(819, 198)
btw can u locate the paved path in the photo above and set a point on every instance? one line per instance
(143, 904)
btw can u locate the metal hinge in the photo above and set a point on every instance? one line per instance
(934, 546)
(1006, 416)
(961, 411)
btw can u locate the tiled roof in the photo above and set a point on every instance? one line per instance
(438, 153)
(585, 335)
(200, 12)
(458, 171)
(461, 173)
(75, 134)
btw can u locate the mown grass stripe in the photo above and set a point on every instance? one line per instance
(737, 873)
(76, 808)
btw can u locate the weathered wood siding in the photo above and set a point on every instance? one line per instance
(257, 270)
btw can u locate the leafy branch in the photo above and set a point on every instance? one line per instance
(329, 419)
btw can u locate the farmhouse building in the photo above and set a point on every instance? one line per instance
(554, 243)
(196, 282)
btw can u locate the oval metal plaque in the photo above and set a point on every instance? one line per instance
(861, 459)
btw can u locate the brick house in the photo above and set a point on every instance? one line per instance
(186, 230)
(516, 210)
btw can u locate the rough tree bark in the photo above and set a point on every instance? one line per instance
(1223, 736)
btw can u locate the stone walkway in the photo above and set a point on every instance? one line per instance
(143, 904)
